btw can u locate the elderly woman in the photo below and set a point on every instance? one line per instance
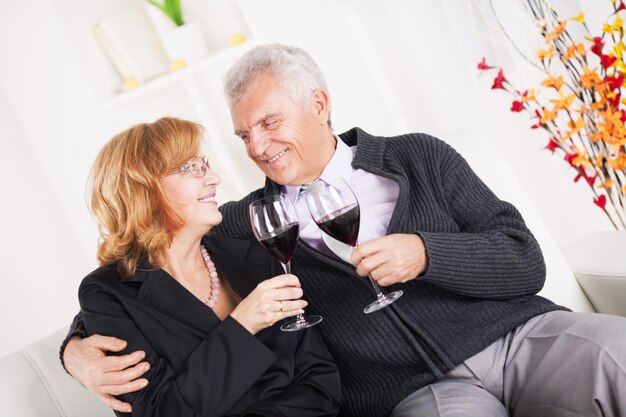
(202, 309)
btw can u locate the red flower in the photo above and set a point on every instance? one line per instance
(615, 83)
(614, 102)
(482, 65)
(607, 60)
(591, 180)
(623, 118)
(600, 201)
(538, 116)
(553, 145)
(517, 106)
(598, 44)
(499, 81)
(570, 159)
(621, 6)
(583, 174)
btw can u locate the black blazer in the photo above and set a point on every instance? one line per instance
(200, 365)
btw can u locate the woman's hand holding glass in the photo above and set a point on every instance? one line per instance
(275, 226)
(271, 301)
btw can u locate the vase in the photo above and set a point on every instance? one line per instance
(598, 261)
(186, 43)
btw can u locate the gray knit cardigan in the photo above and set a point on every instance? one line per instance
(484, 270)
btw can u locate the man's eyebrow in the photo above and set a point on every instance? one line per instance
(269, 116)
(258, 122)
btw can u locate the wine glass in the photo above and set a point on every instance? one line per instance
(335, 209)
(275, 225)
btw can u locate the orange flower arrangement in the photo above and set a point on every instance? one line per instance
(580, 103)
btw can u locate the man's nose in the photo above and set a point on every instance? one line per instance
(259, 142)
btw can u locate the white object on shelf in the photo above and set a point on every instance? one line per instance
(173, 77)
(599, 262)
(186, 43)
(132, 45)
(221, 20)
(117, 59)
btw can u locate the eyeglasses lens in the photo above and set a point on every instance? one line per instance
(198, 167)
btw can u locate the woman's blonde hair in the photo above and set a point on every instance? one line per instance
(133, 215)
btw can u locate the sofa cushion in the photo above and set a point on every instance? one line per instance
(33, 384)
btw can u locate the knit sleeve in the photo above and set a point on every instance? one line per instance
(77, 329)
(493, 255)
(236, 219)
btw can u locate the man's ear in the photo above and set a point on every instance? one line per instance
(321, 105)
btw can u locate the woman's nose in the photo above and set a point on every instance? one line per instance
(211, 178)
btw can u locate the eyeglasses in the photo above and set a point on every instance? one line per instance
(197, 167)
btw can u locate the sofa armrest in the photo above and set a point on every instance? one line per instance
(598, 262)
(33, 384)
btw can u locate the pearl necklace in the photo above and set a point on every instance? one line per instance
(215, 280)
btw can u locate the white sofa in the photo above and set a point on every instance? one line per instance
(33, 383)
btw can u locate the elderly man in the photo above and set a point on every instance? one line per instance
(469, 337)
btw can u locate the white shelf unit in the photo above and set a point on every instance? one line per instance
(193, 92)
(206, 64)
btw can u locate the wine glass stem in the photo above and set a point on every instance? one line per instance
(379, 293)
(299, 317)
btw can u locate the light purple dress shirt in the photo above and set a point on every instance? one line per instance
(377, 199)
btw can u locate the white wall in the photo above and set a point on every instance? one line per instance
(390, 70)
(50, 102)
(41, 260)
(430, 51)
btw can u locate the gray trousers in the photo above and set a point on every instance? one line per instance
(559, 364)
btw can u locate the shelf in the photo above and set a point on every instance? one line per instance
(191, 93)
(173, 77)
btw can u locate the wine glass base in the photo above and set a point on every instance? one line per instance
(383, 301)
(305, 322)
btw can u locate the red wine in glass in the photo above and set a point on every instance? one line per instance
(335, 209)
(342, 224)
(275, 226)
(282, 243)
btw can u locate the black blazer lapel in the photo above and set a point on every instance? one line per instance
(161, 291)
(243, 263)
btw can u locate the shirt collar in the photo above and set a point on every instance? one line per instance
(339, 166)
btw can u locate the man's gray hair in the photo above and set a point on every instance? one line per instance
(293, 67)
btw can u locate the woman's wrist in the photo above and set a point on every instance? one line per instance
(236, 316)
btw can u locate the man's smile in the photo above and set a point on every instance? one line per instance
(276, 157)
